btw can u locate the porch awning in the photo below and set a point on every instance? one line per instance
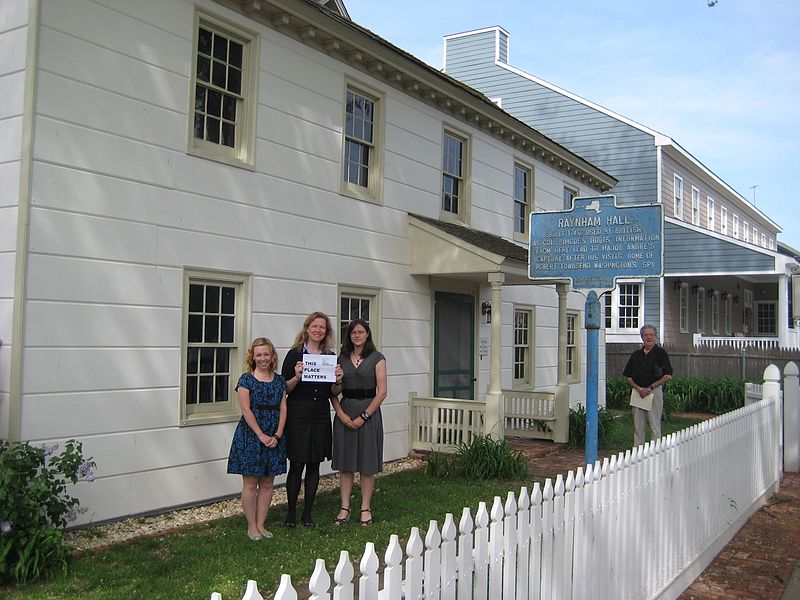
(450, 249)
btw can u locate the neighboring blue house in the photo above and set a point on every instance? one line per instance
(724, 274)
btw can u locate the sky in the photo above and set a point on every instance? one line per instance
(721, 81)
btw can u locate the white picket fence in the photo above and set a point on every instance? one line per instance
(642, 524)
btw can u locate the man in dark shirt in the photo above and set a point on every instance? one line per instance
(648, 369)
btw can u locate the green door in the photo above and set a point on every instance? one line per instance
(453, 341)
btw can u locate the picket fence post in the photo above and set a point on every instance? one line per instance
(285, 590)
(343, 578)
(414, 565)
(393, 574)
(320, 583)
(791, 418)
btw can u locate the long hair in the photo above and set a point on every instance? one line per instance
(347, 343)
(250, 361)
(302, 336)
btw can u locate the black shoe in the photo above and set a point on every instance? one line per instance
(307, 521)
(289, 524)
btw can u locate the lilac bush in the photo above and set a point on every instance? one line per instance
(35, 507)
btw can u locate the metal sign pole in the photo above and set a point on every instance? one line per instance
(592, 323)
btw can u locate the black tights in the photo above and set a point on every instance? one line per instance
(293, 480)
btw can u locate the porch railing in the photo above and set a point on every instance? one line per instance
(441, 423)
(530, 414)
(739, 343)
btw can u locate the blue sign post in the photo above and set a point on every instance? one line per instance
(591, 246)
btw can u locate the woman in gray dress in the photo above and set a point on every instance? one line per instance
(358, 427)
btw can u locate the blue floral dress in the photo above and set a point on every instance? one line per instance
(248, 456)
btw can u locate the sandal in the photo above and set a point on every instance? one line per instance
(368, 522)
(342, 520)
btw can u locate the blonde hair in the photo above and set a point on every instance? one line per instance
(302, 337)
(250, 361)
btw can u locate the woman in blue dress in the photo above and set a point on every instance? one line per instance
(258, 453)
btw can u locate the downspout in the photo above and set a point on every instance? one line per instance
(23, 222)
(661, 299)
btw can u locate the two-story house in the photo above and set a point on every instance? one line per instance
(724, 276)
(179, 177)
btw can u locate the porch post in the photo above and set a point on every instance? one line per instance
(494, 395)
(783, 310)
(561, 432)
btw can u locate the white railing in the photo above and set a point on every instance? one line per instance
(763, 343)
(438, 424)
(529, 414)
(640, 525)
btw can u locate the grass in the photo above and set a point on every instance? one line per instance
(217, 557)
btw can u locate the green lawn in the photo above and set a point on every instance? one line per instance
(198, 560)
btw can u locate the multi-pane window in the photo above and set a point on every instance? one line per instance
(523, 321)
(608, 313)
(755, 235)
(701, 310)
(766, 318)
(213, 345)
(572, 346)
(684, 308)
(569, 196)
(359, 138)
(452, 173)
(222, 97)
(727, 309)
(735, 221)
(356, 303)
(522, 198)
(678, 197)
(723, 220)
(695, 206)
(710, 212)
(629, 305)
(763, 240)
(771, 244)
(746, 231)
(715, 313)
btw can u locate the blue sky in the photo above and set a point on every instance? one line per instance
(722, 81)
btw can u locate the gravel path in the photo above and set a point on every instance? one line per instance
(99, 537)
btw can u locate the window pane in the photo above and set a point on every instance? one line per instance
(212, 298)
(214, 104)
(223, 360)
(192, 360)
(219, 74)
(221, 391)
(195, 329)
(191, 390)
(228, 135)
(204, 41)
(212, 130)
(234, 81)
(203, 69)
(196, 298)
(212, 329)
(220, 47)
(206, 389)
(227, 330)
(229, 108)
(236, 52)
(207, 360)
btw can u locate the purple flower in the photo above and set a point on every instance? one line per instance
(85, 470)
(72, 515)
(50, 448)
(5, 527)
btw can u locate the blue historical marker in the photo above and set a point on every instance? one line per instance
(591, 246)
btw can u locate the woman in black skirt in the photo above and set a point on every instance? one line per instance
(308, 417)
(358, 426)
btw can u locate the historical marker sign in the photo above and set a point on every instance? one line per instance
(596, 243)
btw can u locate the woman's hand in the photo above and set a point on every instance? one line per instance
(339, 374)
(298, 370)
(266, 440)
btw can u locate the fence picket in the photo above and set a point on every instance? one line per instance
(535, 561)
(464, 557)
(393, 573)
(523, 543)
(285, 590)
(481, 553)
(320, 582)
(449, 571)
(510, 543)
(496, 549)
(343, 578)
(414, 565)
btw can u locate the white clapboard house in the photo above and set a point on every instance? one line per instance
(178, 177)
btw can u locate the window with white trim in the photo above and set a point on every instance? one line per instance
(454, 176)
(361, 159)
(677, 207)
(523, 346)
(569, 195)
(755, 235)
(215, 339)
(736, 226)
(701, 310)
(771, 244)
(573, 356)
(723, 220)
(223, 97)
(684, 308)
(763, 240)
(727, 309)
(715, 313)
(766, 318)
(695, 206)
(523, 200)
(710, 212)
(623, 308)
(359, 303)
(746, 231)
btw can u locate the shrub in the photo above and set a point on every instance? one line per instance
(35, 508)
(618, 393)
(682, 394)
(482, 458)
(606, 425)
